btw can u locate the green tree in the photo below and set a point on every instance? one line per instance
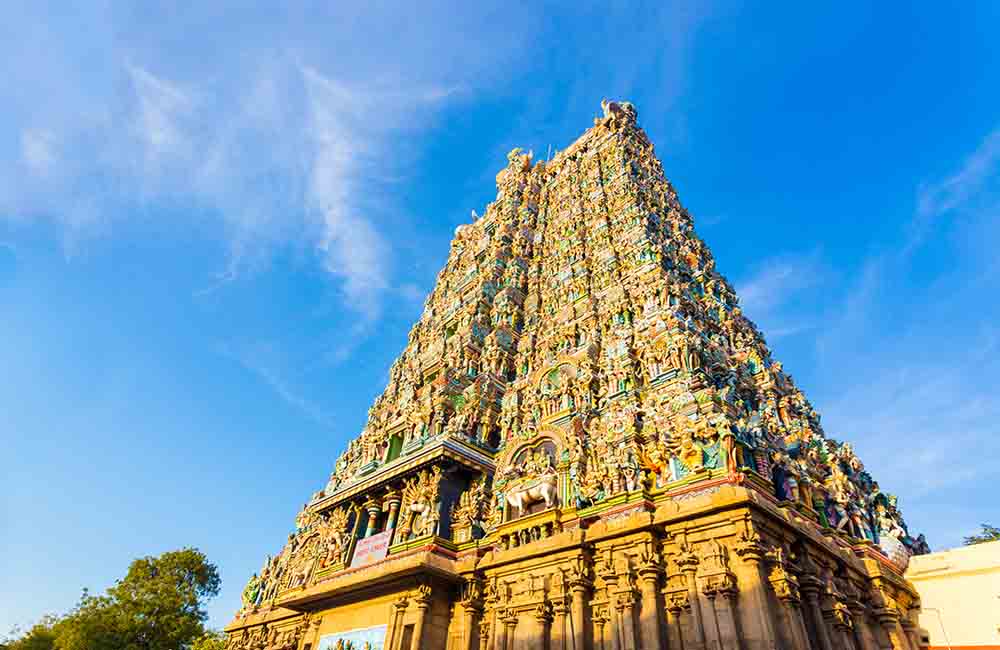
(211, 640)
(989, 534)
(94, 624)
(158, 605)
(160, 602)
(41, 636)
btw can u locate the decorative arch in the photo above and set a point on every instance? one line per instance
(556, 376)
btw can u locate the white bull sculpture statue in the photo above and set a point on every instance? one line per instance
(544, 489)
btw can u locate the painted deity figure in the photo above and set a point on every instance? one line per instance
(251, 592)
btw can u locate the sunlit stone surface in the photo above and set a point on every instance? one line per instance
(585, 444)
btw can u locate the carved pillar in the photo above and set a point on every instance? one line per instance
(688, 564)
(649, 620)
(600, 620)
(721, 591)
(626, 617)
(614, 613)
(501, 629)
(485, 623)
(543, 615)
(676, 602)
(396, 621)
(422, 599)
(392, 500)
(811, 586)
(760, 633)
(579, 586)
(509, 622)
(838, 617)
(786, 589)
(373, 509)
(910, 632)
(470, 624)
(888, 619)
(472, 609)
(560, 609)
(862, 632)
(313, 631)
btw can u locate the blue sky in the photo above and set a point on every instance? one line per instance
(217, 224)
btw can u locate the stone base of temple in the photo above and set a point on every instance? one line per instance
(722, 565)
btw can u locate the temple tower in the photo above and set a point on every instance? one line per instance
(586, 444)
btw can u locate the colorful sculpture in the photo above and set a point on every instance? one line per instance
(580, 338)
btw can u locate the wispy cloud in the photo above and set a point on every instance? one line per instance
(162, 108)
(953, 192)
(39, 150)
(292, 170)
(770, 295)
(285, 144)
(265, 360)
(918, 396)
(353, 249)
(778, 279)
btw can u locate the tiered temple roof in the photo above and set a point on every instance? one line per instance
(580, 352)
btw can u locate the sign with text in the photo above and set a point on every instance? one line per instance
(370, 638)
(371, 549)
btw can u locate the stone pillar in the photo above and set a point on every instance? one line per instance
(614, 614)
(313, 632)
(649, 620)
(559, 611)
(543, 615)
(722, 594)
(626, 618)
(373, 509)
(473, 614)
(911, 632)
(862, 633)
(811, 586)
(472, 609)
(676, 602)
(759, 633)
(786, 589)
(839, 624)
(710, 624)
(396, 621)
(578, 612)
(688, 564)
(501, 628)
(599, 622)
(888, 620)
(423, 602)
(393, 500)
(510, 622)
(484, 632)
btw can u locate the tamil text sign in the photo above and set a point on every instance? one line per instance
(371, 549)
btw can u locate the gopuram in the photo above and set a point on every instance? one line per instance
(586, 444)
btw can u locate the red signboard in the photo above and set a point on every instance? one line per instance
(371, 549)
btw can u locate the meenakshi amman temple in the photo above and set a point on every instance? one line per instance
(586, 444)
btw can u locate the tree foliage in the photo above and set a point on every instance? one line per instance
(988, 534)
(158, 605)
(211, 640)
(41, 636)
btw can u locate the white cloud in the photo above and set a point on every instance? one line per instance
(265, 360)
(162, 108)
(39, 150)
(949, 194)
(911, 381)
(352, 248)
(777, 280)
(771, 296)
